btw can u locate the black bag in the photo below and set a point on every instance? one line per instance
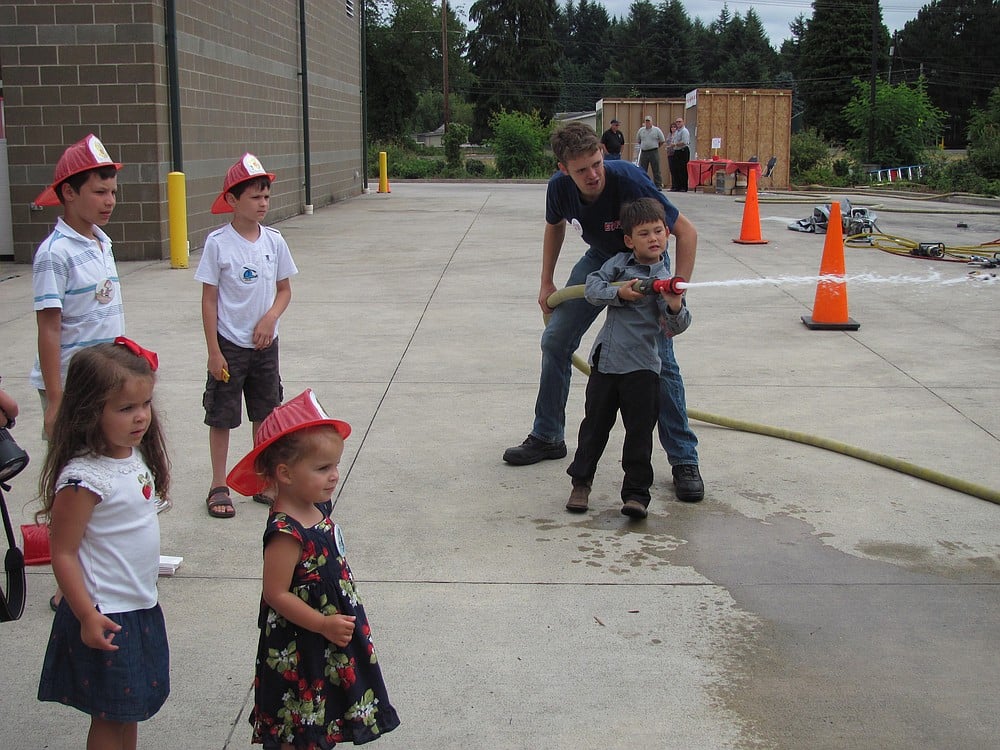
(12, 602)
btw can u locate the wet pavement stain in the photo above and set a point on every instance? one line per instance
(850, 652)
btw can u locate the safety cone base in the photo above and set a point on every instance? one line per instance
(849, 325)
(751, 242)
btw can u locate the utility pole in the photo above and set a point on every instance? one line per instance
(871, 108)
(444, 58)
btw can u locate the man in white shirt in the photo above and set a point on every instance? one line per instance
(680, 142)
(650, 139)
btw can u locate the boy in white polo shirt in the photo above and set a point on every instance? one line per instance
(245, 270)
(77, 293)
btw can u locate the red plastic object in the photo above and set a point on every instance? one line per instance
(36, 544)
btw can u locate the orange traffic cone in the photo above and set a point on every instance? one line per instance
(830, 307)
(750, 231)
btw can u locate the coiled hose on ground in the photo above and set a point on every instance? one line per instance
(904, 467)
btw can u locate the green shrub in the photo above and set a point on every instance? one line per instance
(518, 141)
(456, 135)
(416, 168)
(808, 149)
(955, 176)
(475, 167)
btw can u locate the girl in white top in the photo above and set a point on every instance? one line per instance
(107, 654)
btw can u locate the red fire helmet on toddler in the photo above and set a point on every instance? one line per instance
(301, 412)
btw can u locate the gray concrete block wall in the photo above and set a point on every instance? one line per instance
(73, 68)
(70, 69)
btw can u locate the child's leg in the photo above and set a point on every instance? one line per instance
(112, 735)
(638, 394)
(600, 411)
(218, 448)
(263, 392)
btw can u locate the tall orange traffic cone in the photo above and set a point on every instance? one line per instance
(750, 231)
(830, 307)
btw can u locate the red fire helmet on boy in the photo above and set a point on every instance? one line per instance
(85, 154)
(247, 168)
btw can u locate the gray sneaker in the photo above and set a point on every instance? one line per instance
(533, 450)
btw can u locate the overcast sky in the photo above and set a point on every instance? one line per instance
(776, 15)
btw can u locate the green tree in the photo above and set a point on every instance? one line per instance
(403, 60)
(984, 138)
(635, 41)
(746, 58)
(904, 123)
(836, 49)
(515, 58)
(583, 30)
(953, 44)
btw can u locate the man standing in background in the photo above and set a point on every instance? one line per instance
(612, 141)
(650, 139)
(681, 142)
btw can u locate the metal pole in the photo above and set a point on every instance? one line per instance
(871, 108)
(173, 86)
(364, 97)
(444, 58)
(305, 106)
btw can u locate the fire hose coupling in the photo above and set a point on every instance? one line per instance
(675, 285)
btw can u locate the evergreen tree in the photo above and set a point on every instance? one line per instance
(515, 58)
(953, 44)
(746, 58)
(679, 60)
(836, 48)
(583, 31)
(636, 45)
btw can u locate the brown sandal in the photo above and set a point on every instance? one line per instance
(222, 508)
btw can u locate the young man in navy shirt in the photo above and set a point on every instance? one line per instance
(587, 194)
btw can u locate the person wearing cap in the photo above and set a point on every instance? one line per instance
(650, 140)
(245, 271)
(325, 686)
(587, 194)
(680, 155)
(77, 292)
(612, 141)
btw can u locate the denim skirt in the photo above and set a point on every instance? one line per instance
(127, 685)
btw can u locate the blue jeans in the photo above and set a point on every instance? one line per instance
(561, 338)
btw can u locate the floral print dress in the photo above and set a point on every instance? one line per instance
(309, 692)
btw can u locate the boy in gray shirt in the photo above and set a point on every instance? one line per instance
(625, 361)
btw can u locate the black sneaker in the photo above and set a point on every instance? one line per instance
(533, 450)
(688, 484)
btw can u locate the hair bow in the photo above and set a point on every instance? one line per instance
(138, 351)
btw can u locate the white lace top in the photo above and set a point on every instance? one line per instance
(120, 550)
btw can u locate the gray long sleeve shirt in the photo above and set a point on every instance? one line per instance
(629, 338)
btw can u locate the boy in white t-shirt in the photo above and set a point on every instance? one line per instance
(245, 270)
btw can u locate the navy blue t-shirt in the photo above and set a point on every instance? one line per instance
(598, 222)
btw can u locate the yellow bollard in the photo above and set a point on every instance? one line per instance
(177, 219)
(383, 173)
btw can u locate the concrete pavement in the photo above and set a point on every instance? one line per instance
(812, 600)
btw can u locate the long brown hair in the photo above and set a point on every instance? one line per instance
(95, 374)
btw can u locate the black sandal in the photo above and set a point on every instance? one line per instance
(222, 508)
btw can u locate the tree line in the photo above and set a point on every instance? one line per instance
(544, 57)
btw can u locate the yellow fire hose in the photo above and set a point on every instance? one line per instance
(904, 467)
